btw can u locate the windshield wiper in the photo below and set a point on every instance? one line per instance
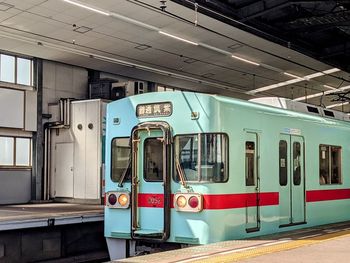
(125, 173)
(180, 172)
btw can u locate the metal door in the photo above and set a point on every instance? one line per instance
(252, 182)
(64, 170)
(150, 190)
(291, 180)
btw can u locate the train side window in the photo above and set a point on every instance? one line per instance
(249, 163)
(121, 159)
(330, 164)
(283, 164)
(296, 163)
(153, 160)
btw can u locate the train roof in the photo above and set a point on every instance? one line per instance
(289, 104)
(268, 103)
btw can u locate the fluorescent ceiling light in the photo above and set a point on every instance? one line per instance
(292, 81)
(330, 71)
(178, 38)
(246, 60)
(273, 86)
(322, 93)
(337, 105)
(292, 75)
(87, 7)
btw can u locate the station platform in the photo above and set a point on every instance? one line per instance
(48, 214)
(322, 244)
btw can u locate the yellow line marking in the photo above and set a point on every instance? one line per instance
(259, 251)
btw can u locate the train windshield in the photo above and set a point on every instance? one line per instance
(121, 160)
(202, 157)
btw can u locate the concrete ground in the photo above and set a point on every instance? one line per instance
(322, 244)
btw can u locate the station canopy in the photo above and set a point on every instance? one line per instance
(174, 43)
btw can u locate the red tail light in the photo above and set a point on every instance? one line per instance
(112, 199)
(193, 202)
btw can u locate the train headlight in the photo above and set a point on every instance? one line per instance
(123, 200)
(118, 199)
(188, 202)
(181, 201)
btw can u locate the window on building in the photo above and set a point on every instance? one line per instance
(24, 71)
(7, 68)
(330, 164)
(16, 70)
(23, 156)
(15, 152)
(7, 151)
(249, 163)
(283, 167)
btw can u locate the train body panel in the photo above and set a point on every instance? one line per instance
(256, 169)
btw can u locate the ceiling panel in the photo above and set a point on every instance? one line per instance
(54, 21)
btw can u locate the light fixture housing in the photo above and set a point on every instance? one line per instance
(120, 199)
(188, 202)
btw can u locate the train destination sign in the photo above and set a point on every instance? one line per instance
(154, 110)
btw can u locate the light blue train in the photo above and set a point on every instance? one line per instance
(190, 168)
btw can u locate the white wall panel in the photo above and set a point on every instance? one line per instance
(11, 108)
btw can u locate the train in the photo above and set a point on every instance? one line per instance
(186, 168)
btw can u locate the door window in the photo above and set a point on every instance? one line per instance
(296, 163)
(283, 165)
(153, 160)
(250, 163)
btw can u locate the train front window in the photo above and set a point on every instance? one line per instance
(121, 159)
(153, 160)
(202, 157)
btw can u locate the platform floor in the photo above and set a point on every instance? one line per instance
(41, 215)
(322, 244)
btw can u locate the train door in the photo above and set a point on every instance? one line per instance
(150, 182)
(291, 180)
(252, 182)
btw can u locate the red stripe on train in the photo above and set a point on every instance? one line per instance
(224, 201)
(229, 201)
(327, 195)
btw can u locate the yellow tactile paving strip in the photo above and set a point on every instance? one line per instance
(240, 254)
